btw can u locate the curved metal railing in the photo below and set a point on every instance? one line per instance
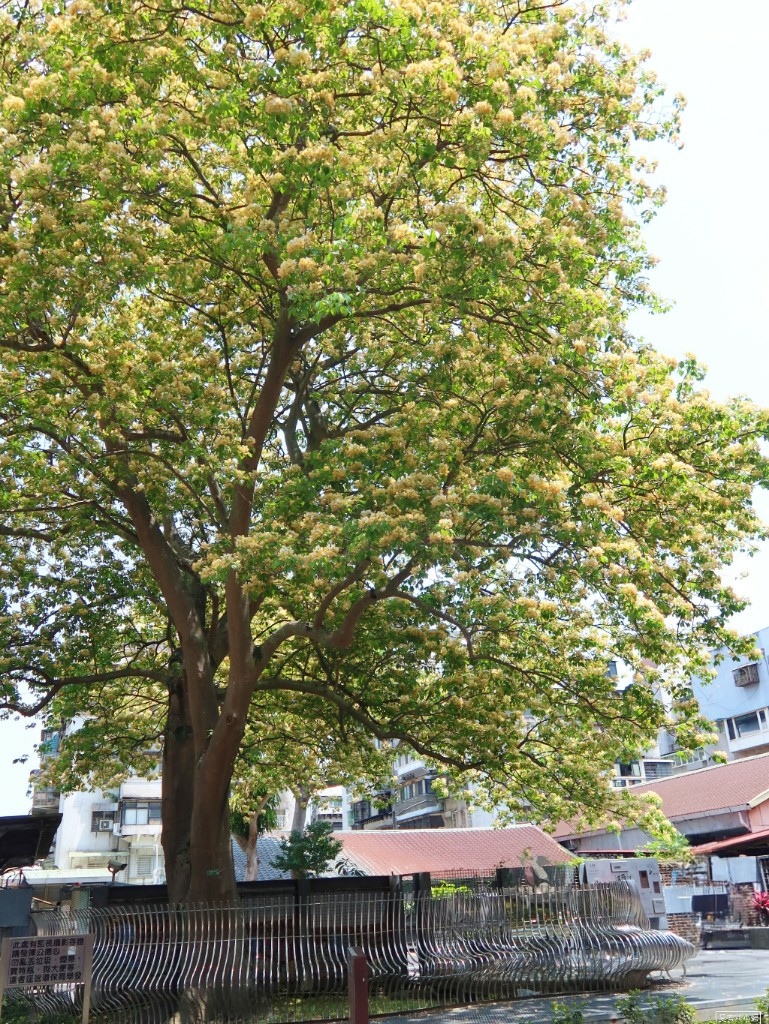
(285, 959)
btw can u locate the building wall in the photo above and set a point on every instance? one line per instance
(79, 846)
(734, 870)
(759, 816)
(726, 703)
(331, 804)
(687, 926)
(411, 803)
(74, 833)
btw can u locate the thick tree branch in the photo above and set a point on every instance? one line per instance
(436, 613)
(375, 728)
(354, 577)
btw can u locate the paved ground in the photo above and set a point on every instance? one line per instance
(718, 983)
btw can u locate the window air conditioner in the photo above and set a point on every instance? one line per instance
(746, 675)
(105, 824)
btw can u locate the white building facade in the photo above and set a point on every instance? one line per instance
(120, 828)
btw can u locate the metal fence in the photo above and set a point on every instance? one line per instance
(285, 960)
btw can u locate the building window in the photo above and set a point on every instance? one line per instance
(361, 810)
(102, 821)
(747, 725)
(144, 863)
(142, 813)
(418, 788)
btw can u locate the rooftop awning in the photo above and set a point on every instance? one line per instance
(752, 844)
(93, 857)
(25, 838)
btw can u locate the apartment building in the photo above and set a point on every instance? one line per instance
(123, 827)
(411, 803)
(737, 700)
(100, 829)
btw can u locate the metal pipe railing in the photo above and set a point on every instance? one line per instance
(287, 959)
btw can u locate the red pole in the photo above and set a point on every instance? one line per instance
(358, 984)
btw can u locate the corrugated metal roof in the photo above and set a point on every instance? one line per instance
(266, 847)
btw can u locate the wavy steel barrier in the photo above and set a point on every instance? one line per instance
(285, 960)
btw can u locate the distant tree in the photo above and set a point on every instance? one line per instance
(318, 401)
(247, 825)
(308, 853)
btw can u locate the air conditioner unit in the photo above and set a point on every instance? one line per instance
(746, 675)
(106, 824)
(116, 829)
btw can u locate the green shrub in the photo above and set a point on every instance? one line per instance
(630, 1008)
(673, 1010)
(563, 1014)
(658, 1010)
(441, 889)
(18, 1012)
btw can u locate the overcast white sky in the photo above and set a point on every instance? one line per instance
(712, 238)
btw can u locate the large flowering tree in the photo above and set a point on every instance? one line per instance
(317, 392)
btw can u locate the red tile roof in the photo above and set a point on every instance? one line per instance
(736, 785)
(405, 851)
(733, 786)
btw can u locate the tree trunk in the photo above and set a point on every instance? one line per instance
(299, 819)
(212, 872)
(196, 813)
(178, 791)
(252, 851)
(251, 846)
(301, 799)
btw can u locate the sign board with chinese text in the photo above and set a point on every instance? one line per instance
(32, 961)
(642, 872)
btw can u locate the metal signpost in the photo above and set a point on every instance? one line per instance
(31, 962)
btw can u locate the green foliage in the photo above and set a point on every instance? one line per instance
(631, 1009)
(266, 819)
(762, 1004)
(440, 889)
(22, 1012)
(564, 1014)
(638, 1009)
(669, 845)
(307, 854)
(673, 1010)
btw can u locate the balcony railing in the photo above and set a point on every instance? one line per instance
(45, 800)
(427, 802)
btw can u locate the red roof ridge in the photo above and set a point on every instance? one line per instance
(432, 831)
(698, 771)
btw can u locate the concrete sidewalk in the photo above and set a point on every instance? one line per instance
(719, 983)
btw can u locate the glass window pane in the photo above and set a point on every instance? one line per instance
(747, 724)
